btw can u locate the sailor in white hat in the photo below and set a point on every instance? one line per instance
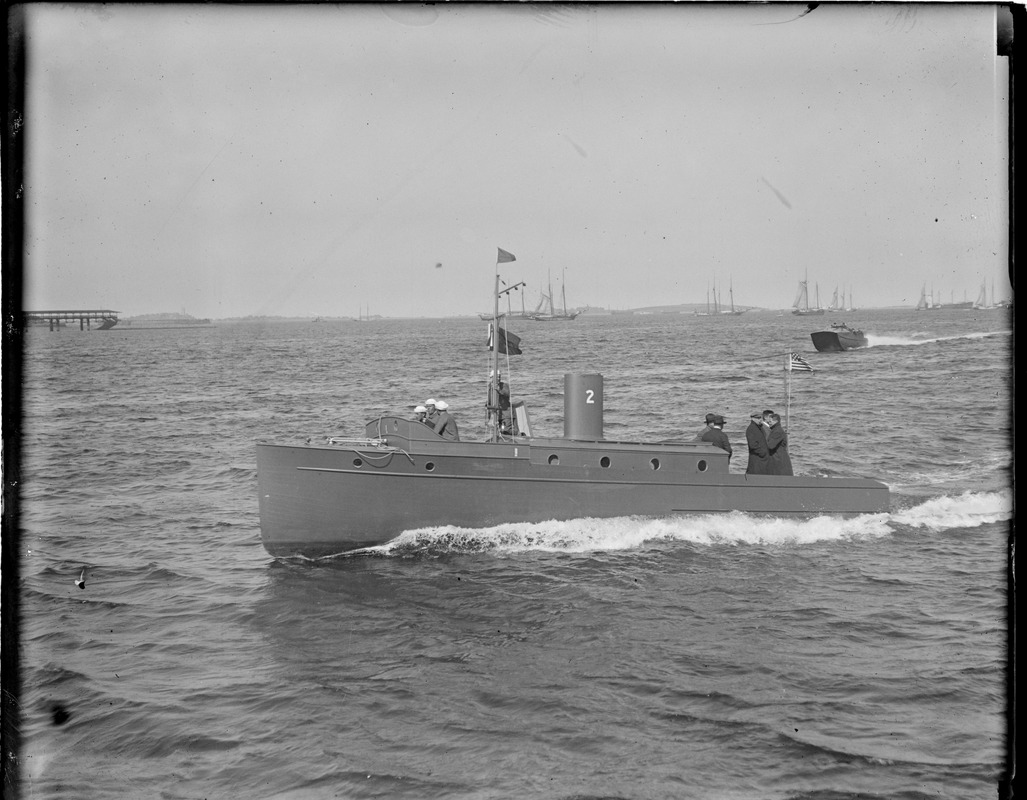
(444, 424)
(420, 412)
(429, 417)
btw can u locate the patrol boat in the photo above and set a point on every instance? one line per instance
(343, 495)
(839, 337)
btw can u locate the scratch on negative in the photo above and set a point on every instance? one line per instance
(780, 196)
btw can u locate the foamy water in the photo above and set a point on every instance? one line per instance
(971, 509)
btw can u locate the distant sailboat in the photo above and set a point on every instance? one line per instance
(982, 304)
(982, 298)
(801, 306)
(926, 302)
(848, 306)
(731, 295)
(717, 308)
(545, 311)
(705, 313)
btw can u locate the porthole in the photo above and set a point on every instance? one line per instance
(358, 462)
(702, 466)
(654, 463)
(604, 462)
(430, 466)
(554, 459)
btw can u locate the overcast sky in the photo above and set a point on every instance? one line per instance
(302, 160)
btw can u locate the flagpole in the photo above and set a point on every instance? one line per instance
(788, 387)
(493, 398)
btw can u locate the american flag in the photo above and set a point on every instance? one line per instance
(797, 363)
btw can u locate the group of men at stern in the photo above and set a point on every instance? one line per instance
(766, 438)
(435, 414)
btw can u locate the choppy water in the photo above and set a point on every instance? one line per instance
(709, 657)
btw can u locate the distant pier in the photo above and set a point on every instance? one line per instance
(106, 318)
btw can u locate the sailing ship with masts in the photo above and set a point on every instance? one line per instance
(982, 304)
(364, 315)
(801, 306)
(546, 311)
(927, 301)
(732, 311)
(982, 298)
(718, 308)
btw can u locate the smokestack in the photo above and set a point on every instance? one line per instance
(582, 406)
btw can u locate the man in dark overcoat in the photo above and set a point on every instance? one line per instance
(756, 438)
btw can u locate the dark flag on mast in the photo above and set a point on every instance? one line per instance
(504, 256)
(509, 343)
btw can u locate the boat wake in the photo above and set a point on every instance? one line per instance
(968, 510)
(906, 341)
(586, 535)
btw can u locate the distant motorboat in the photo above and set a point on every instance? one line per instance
(839, 337)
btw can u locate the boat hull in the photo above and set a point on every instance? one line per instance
(320, 500)
(836, 341)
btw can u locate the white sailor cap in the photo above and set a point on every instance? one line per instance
(420, 409)
(442, 405)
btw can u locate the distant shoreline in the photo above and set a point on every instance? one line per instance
(686, 310)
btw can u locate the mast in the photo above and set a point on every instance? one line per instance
(492, 410)
(492, 414)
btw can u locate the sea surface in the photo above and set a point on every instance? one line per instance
(165, 654)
